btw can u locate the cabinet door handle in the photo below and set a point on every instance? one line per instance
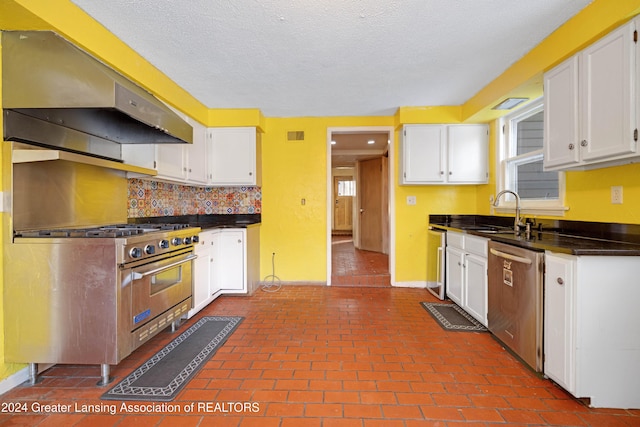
(560, 281)
(571, 146)
(583, 143)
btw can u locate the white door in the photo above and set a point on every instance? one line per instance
(454, 266)
(607, 73)
(233, 156)
(423, 154)
(197, 156)
(171, 161)
(467, 148)
(475, 273)
(561, 115)
(229, 260)
(559, 326)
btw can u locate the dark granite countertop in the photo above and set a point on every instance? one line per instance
(205, 221)
(571, 237)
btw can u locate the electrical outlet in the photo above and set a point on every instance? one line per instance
(411, 200)
(616, 195)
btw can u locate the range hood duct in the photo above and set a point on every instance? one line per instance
(58, 96)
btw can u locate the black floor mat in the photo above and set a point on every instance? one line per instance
(452, 318)
(163, 376)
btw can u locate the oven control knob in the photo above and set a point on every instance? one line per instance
(135, 252)
(195, 239)
(176, 241)
(164, 244)
(187, 240)
(149, 249)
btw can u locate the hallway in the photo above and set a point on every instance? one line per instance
(357, 268)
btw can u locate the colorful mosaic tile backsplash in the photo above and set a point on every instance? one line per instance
(155, 198)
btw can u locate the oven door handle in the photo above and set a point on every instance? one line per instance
(136, 276)
(510, 256)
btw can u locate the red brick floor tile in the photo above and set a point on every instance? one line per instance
(402, 412)
(383, 423)
(323, 410)
(297, 422)
(521, 416)
(180, 421)
(441, 413)
(331, 422)
(362, 411)
(317, 356)
(564, 418)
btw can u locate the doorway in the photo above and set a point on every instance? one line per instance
(359, 236)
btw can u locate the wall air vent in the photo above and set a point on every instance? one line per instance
(295, 135)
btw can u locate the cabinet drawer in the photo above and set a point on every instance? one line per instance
(455, 239)
(476, 245)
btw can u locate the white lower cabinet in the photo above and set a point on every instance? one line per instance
(228, 263)
(466, 273)
(559, 322)
(454, 273)
(229, 260)
(592, 327)
(203, 283)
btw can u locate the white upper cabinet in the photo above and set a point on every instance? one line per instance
(234, 157)
(468, 150)
(444, 154)
(171, 162)
(197, 161)
(590, 105)
(184, 162)
(423, 158)
(561, 115)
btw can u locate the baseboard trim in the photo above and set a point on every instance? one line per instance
(268, 282)
(14, 380)
(417, 284)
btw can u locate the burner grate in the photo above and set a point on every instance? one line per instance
(107, 231)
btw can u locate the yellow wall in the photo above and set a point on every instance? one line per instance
(292, 171)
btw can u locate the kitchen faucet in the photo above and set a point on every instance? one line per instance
(516, 222)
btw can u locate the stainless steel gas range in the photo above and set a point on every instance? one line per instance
(93, 295)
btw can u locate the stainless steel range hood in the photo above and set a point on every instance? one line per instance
(57, 96)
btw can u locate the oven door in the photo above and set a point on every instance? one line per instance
(159, 286)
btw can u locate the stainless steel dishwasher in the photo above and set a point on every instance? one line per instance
(515, 300)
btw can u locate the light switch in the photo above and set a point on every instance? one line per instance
(411, 200)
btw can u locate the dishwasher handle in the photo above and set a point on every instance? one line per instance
(510, 256)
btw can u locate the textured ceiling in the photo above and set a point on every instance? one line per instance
(331, 57)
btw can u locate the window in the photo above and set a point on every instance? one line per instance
(346, 188)
(521, 156)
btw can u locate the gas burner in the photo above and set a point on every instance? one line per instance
(107, 231)
(158, 226)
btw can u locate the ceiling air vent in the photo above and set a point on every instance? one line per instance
(295, 135)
